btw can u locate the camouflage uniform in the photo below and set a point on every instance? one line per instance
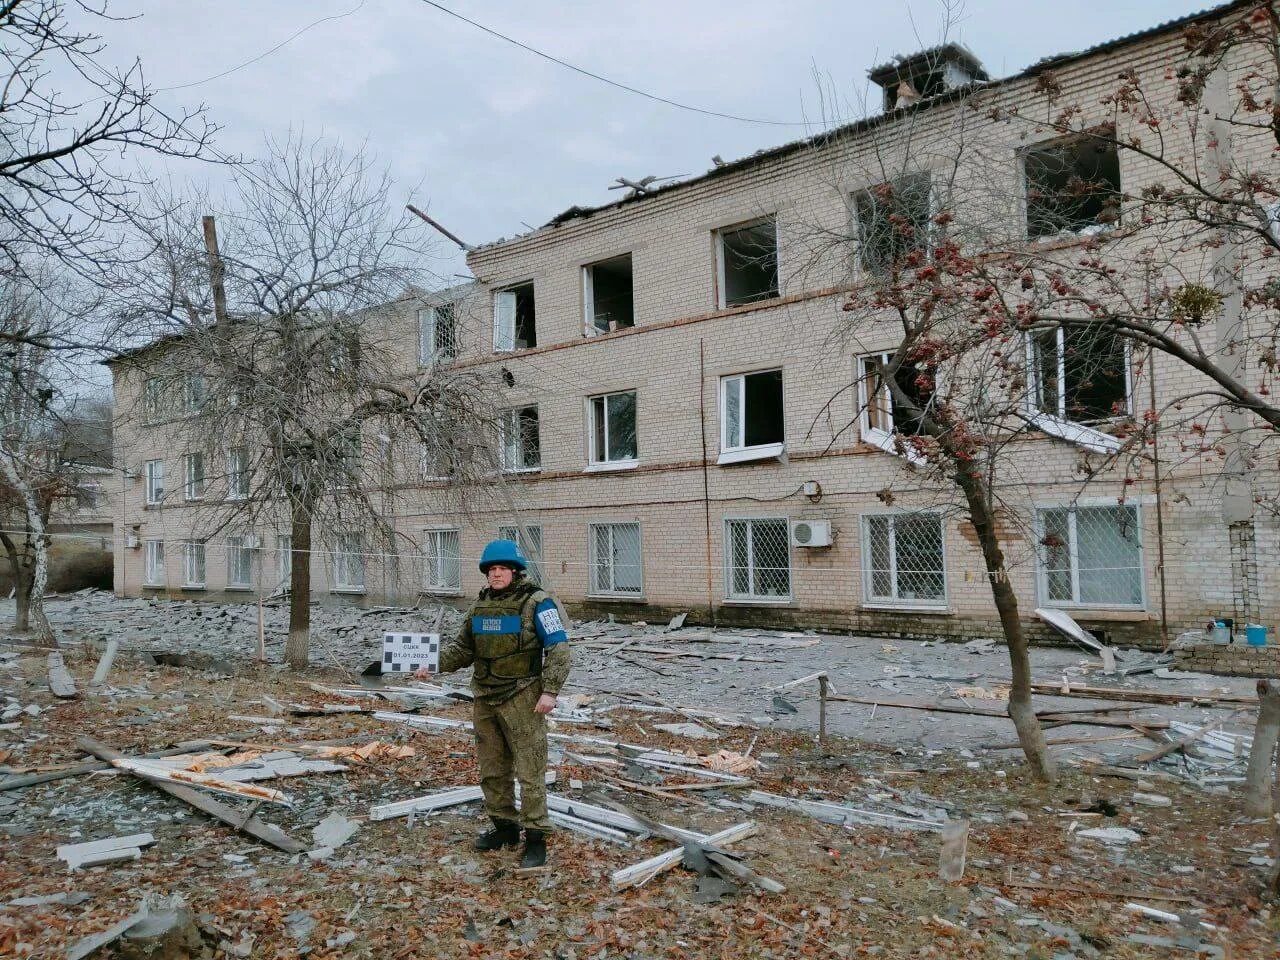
(508, 637)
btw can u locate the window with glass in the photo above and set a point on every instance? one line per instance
(193, 564)
(153, 567)
(902, 559)
(1091, 556)
(237, 473)
(154, 474)
(240, 550)
(751, 411)
(758, 559)
(193, 476)
(348, 562)
(514, 319)
(442, 561)
(613, 428)
(616, 560)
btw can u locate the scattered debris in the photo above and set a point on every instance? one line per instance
(1113, 835)
(89, 854)
(61, 683)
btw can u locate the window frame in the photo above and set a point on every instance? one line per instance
(877, 436)
(722, 293)
(341, 565)
(429, 321)
(505, 438)
(439, 587)
(153, 401)
(153, 479)
(594, 560)
(1057, 424)
(193, 485)
(536, 558)
(589, 326)
(284, 558)
(895, 602)
(859, 231)
(594, 463)
(193, 400)
(756, 597)
(1073, 552)
(740, 453)
(500, 343)
(193, 558)
(246, 543)
(238, 473)
(153, 566)
(1088, 230)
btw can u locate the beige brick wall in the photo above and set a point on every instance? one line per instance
(683, 344)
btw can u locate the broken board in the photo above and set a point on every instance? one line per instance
(406, 652)
(61, 683)
(1066, 625)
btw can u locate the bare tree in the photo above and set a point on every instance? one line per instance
(64, 119)
(291, 349)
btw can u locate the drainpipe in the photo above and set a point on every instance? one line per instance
(706, 479)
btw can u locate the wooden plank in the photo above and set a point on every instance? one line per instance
(1141, 695)
(17, 783)
(153, 771)
(104, 664)
(204, 803)
(645, 870)
(61, 682)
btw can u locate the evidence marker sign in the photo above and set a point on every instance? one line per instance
(406, 652)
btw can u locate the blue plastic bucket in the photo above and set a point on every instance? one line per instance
(1256, 635)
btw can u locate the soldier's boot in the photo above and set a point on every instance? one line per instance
(504, 833)
(535, 850)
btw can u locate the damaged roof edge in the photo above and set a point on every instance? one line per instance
(577, 212)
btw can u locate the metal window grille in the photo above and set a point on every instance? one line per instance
(903, 558)
(239, 561)
(193, 478)
(193, 563)
(155, 481)
(348, 562)
(155, 561)
(616, 559)
(1091, 556)
(757, 559)
(437, 333)
(442, 560)
(530, 546)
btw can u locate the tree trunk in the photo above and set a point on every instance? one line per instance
(296, 650)
(1258, 782)
(21, 595)
(41, 632)
(1021, 710)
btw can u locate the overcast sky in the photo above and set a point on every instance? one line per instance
(496, 140)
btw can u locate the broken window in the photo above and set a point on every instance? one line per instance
(530, 546)
(748, 263)
(1079, 374)
(1091, 556)
(240, 560)
(348, 562)
(616, 561)
(757, 559)
(521, 444)
(751, 414)
(893, 222)
(902, 559)
(154, 472)
(153, 400)
(606, 288)
(442, 561)
(613, 428)
(882, 415)
(237, 473)
(437, 333)
(195, 393)
(1073, 186)
(193, 563)
(514, 327)
(153, 572)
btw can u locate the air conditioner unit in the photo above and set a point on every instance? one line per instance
(811, 533)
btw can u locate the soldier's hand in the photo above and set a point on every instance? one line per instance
(546, 703)
(422, 673)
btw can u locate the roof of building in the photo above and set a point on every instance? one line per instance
(902, 65)
(858, 126)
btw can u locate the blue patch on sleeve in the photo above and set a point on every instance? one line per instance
(491, 625)
(548, 623)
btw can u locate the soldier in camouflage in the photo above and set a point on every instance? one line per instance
(515, 639)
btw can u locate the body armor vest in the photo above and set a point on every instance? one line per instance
(507, 646)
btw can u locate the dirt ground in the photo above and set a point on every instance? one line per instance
(1033, 887)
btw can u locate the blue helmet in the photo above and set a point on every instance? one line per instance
(505, 552)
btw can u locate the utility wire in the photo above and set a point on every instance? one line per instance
(262, 56)
(613, 83)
